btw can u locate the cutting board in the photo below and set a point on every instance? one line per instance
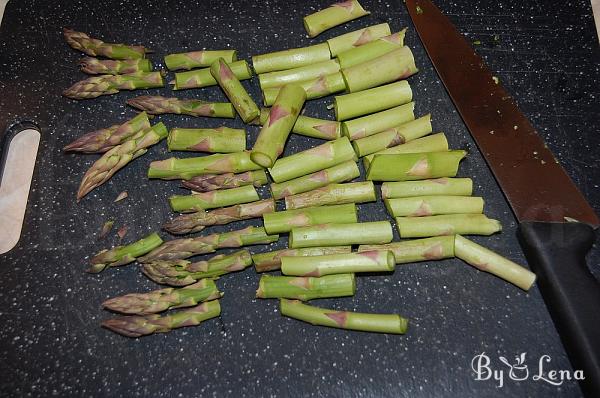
(546, 56)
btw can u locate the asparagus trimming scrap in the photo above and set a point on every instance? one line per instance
(376, 232)
(184, 169)
(357, 38)
(419, 206)
(437, 186)
(291, 58)
(233, 89)
(122, 255)
(410, 251)
(95, 66)
(198, 78)
(96, 86)
(334, 15)
(431, 143)
(306, 288)
(271, 261)
(222, 140)
(372, 50)
(157, 105)
(198, 59)
(94, 47)
(301, 74)
(310, 126)
(212, 182)
(378, 122)
(448, 224)
(353, 192)
(284, 221)
(373, 100)
(366, 261)
(213, 199)
(414, 166)
(315, 88)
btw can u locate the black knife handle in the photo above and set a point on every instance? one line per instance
(556, 253)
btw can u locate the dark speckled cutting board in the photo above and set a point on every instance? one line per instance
(51, 343)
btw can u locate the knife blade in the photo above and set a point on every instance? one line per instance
(556, 224)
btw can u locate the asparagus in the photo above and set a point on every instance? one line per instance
(431, 143)
(96, 86)
(95, 66)
(306, 288)
(122, 255)
(367, 261)
(222, 139)
(164, 299)
(202, 78)
(376, 232)
(395, 65)
(354, 192)
(378, 122)
(118, 157)
(373, 100)
(196, 222)
(284, 221)
(213, 199)
(213, 182)
(237, 94)
(415, 166)
(438, 186)
(310, 126)
(382, 323)
(334, 15)
(486, 260)
(291, 58)
(372, 50)
(410, 251)
(157, 105)
(137, 326)
(271, 261)
(315, 88)
(94, 47)
(339, 173)
(102, 140)
(450, 224)
(314, 159)
(357, 38)
(300, 74)
(184, 169)
(198, 59)
(419, 206)
(276, 129)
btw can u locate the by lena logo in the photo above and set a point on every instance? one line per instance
(518, 370)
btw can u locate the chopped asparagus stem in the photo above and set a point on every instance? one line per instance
(271, 261)
(341, 234)
(306, 288)
(367, 261)
(450, 224)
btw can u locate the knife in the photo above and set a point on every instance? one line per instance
(556, 224)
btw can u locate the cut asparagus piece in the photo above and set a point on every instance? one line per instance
(306, 288)
(354, 192)
(414, 166)
(97, 48)
(185, 169)
(314, 159)
(335, 14)
(450, 224)
(339, 173)
(419, 206)
(118, 157)
(271, 261)
(137, 326)
(122, 255)
(237, 94)
(284, 221)
(314, 88)
(212, 182)
(96, 86)
(431, 143)
(198, 59)
(438, 186)
(310, 126)
(276, 129)
(486, 260)
(222, 139)
(381, 323)
(410, 251)
(368, 261)
(102, 140)
(301, 74)
(372, 50)
(357, 38)
(164, 299)
(95, 66)
(213, 199)
(395, 65)
(373, 100)
(202, 78)
(365, 233)
(291, 58)
(378, 122)
(196, 222)
(157, 105)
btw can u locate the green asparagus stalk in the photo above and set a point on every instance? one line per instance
(222, 139)
(102, 140)
(196, 222)
(291, 58)
(415, 166)
(95, 66)
(202, 78)
(118, 157)
(97, 48)
(395, 65)
(376, 232)
(438, 186)
(368, 261)
(300, 74)
(271, 261)
(450, 224)
(306, 288)
(431, 143)
(184, 169)
(314, 88)
(353, 192)
(372, 50)
(122, 255)
(96, 86)
(198, 59)
(381, 323)
(357, 38)
(164, 299)
(212, 182)
(237, 94)
(486, 260)
(410, 251)
(334, 15)
(373, 100)
(378, 122)
(284, 221)
(310, 126)
(213, 199)
(157, 105)
(339, 173)
(419, 206)
(137, 326)
(276, 129)
(314, 159)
